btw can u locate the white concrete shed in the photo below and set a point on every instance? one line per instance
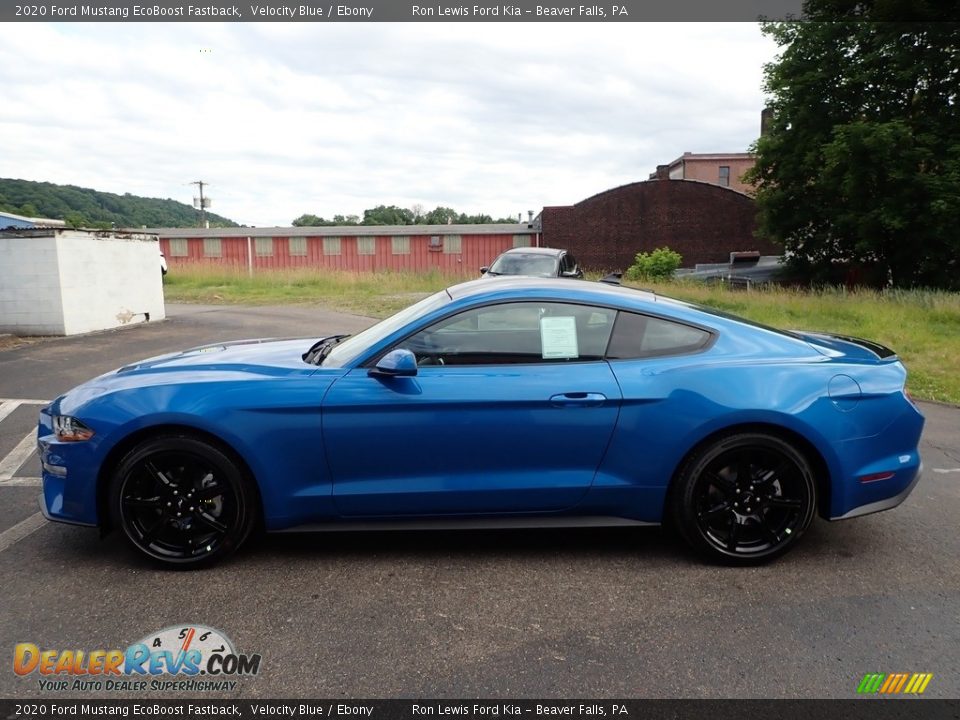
(62, 282)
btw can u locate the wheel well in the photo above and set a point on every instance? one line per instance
(120, 450)
(821, 470)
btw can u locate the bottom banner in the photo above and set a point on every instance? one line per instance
(867, 709)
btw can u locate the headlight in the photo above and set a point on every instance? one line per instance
(69, 429)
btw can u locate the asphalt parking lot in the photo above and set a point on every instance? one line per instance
(586, 613)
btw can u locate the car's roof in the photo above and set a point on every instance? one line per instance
(555, 252)
(508, 288)
(525, 285)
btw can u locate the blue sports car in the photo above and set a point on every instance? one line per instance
(499, 402)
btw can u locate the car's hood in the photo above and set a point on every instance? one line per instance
(217, 363)
(264, 355)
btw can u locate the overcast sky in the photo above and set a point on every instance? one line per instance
(286, 119)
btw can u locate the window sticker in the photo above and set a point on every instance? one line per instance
(558, 337)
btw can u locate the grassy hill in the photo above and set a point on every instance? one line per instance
(84, 207)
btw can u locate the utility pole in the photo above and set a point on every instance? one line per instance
(202, 203)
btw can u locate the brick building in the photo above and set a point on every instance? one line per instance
(724, 169)
(701, 221)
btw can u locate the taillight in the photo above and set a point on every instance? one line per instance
(874, 477)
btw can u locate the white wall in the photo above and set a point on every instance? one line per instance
(75, 281)
(30, 300)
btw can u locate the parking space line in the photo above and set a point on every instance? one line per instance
(22, 482)
(18, 456)
(7, 407)
(21, 530)
(21, 401)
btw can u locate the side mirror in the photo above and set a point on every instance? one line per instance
(483, 270)
(570, 274)
(396, 363)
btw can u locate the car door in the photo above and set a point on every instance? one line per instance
(511, 410)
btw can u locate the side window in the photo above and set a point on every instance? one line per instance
(513, 333)
(640, 336)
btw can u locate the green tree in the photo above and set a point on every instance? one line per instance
(76, 220)
(307, 220)
(861, 161)
(657, 265)
(393, 215)
(387, 215)
(440, 216)
(94, 208)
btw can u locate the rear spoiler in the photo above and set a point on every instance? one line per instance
(837, 342)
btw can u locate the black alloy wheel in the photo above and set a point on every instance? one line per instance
(745, 498)
(182, 501)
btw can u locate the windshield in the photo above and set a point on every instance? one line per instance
(351, 348)
(517, 264)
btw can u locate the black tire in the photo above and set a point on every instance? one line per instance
(182, 501)
(744, 499)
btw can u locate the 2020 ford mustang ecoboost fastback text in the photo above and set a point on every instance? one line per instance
(517, 401)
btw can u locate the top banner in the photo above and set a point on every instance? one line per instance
(394, 11)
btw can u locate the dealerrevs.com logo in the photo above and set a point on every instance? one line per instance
(186, 657)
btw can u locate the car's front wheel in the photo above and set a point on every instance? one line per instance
(182, 501)
(745, 498)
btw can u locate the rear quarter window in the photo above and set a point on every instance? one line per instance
(642, 336)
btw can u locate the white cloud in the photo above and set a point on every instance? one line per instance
(284, 119)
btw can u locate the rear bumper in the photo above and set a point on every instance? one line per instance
(877, 471)
(886, 503)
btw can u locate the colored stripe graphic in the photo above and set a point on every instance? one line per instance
(894, 683)
(871, 683)
(888, 683)
(922, 684)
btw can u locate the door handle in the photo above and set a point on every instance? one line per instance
(575, 399)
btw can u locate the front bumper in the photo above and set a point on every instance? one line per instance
(69, 477)
(42, 502)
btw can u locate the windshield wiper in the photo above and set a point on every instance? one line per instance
(321, 348)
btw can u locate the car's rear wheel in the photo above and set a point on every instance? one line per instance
(182, 501)
(745, 498)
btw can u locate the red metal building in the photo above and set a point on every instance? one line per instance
(448, 248)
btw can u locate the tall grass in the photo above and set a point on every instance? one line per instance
(923, 326)
(376, 294)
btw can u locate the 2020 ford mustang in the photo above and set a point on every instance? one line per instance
(504, 402)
